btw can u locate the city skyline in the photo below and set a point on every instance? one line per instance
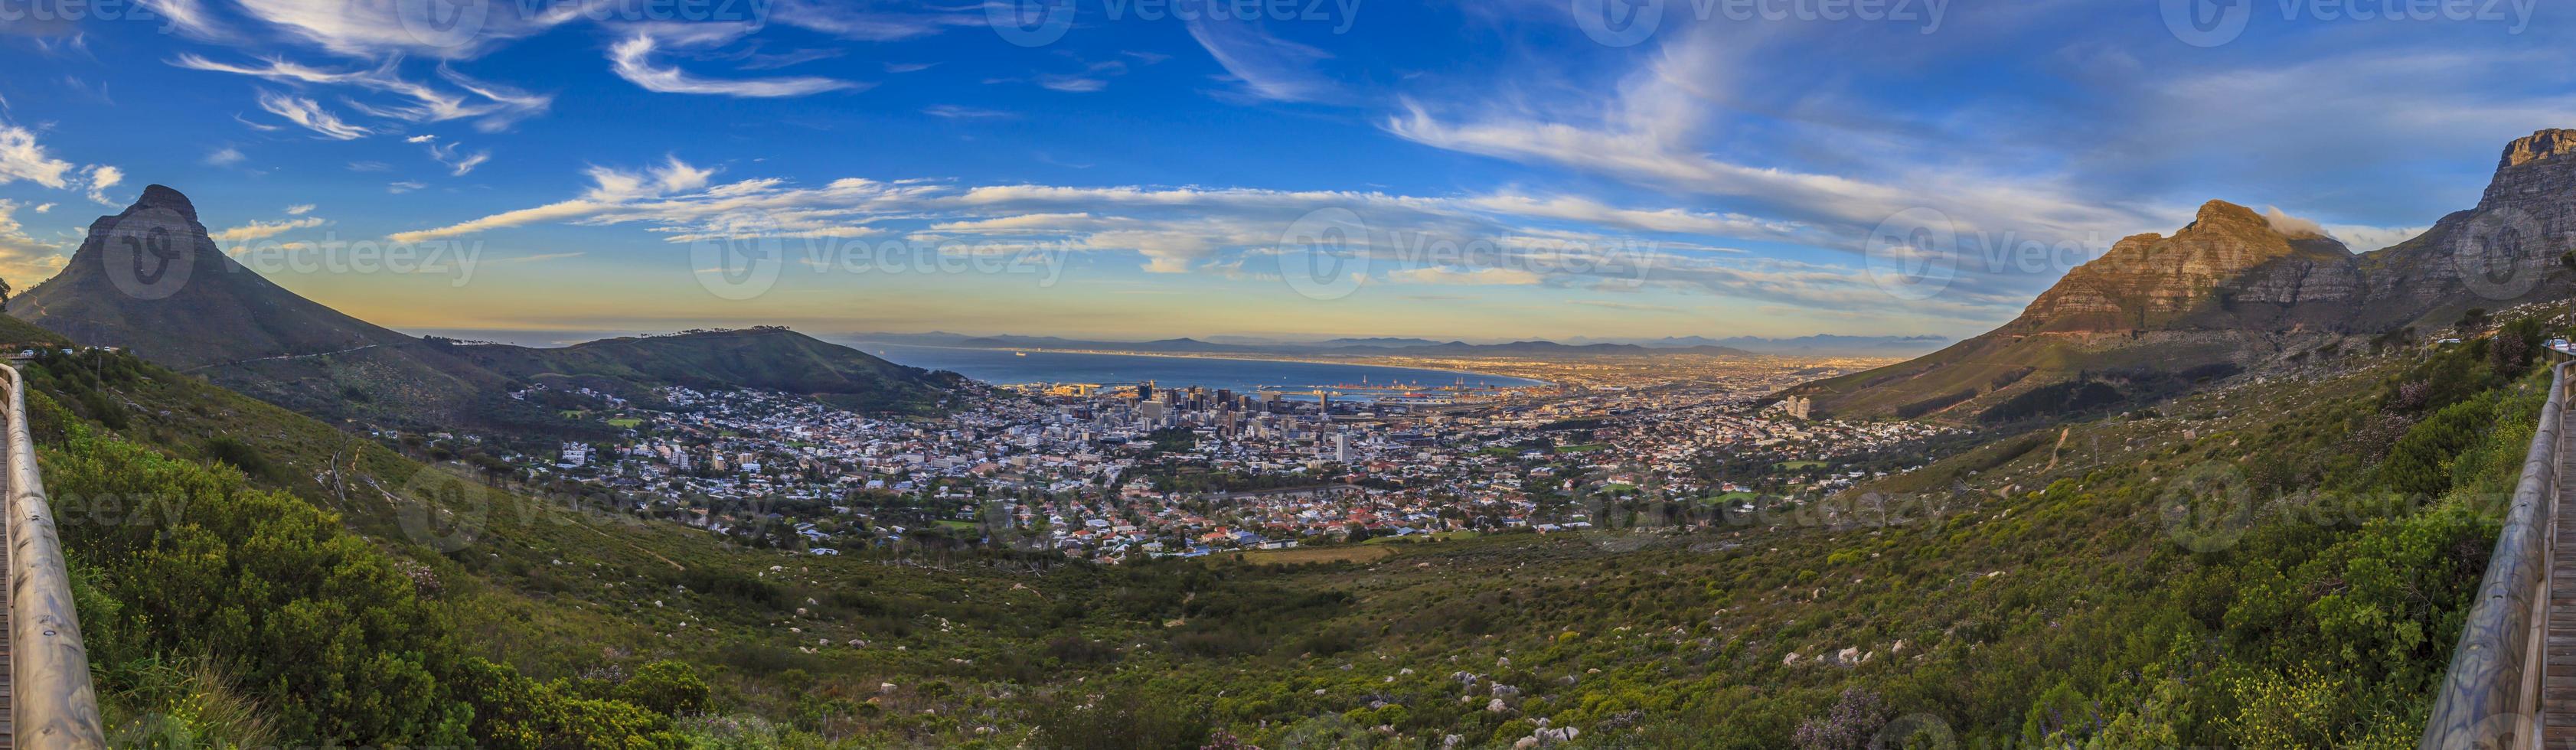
(1519, 170)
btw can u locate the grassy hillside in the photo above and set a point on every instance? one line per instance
(774, 359)
(1963, 382)
(2047, 589)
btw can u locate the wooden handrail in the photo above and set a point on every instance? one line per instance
(2490, 696)
(53, 704)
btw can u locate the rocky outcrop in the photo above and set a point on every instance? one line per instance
(151, 279)
(2228, 256)
(2235, 287)
(2503, 252)
(2231, 268)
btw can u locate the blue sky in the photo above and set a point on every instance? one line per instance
(1498, 169)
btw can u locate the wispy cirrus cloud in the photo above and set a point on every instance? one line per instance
(260, 230)
(311, 115)
(1521, 239)
(1267, 66)
(493, 107)
(634, 59)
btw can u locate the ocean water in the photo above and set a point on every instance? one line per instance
(1240, 375)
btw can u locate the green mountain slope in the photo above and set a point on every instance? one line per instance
(2042, 590)
(774, 359)
(150, 279)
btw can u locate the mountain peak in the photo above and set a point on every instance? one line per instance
(162, 196)
(2219, 210)
(2546, 144)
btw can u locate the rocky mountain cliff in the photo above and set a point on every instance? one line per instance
(2228, 256)
(2503, 252)
(2236, 289)
(151, 279)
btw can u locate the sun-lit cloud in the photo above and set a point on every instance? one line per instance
(25, 260)
(260, 230)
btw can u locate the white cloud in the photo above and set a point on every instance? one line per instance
(447, 154)
(549, 213)
(378, 29)
(299, 209)
(955, 112)
(632, 59)
(44, 208)
(100, 179)
(1173, 230)
(1269, 67)
(260, 230)
(188, 18)
(404, 187)
(1072, 84)
(2363, 239)
(225, 157)
(312, 116)
(493, 107)
(673, 176)
(21, 158)
(870, 22)
(2291, 226)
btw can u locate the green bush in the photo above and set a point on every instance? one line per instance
(669, 687)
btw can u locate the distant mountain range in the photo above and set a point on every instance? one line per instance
(151, 280)
(1331, 347)
(2237, 289)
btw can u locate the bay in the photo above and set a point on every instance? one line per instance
(1010, 367)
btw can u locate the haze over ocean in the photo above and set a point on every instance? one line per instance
(1240, 375)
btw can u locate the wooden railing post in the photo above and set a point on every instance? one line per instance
(2490, 697)
(53, 704)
